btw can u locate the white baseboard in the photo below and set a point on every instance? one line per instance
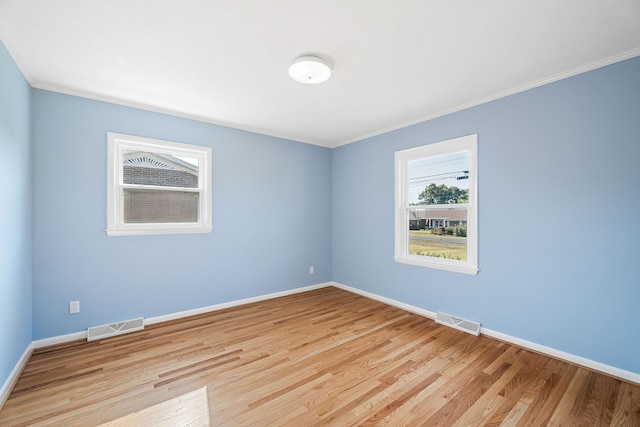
(15, 374)
(558, 354)
(215, 307)
(61, 339)
(388, 301)
(578, 360)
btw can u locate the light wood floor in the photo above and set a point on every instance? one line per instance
(325, 357)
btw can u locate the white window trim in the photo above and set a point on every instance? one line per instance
(115, 206)
(467, 143)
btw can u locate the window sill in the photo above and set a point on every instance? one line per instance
(154, 231)
(438, 265)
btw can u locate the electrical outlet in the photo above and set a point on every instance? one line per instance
(74, 307)
(312, 270)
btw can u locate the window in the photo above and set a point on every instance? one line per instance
(436, 205)
(157, 187)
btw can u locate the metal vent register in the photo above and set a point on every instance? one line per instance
(458, 323)
(113, 329)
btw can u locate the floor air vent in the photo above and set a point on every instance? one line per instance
(105, 331)
(458, 323)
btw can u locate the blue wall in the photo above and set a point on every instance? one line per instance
(271, 218)
(15, 215)
(559, 203)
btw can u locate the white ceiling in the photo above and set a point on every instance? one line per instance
(395, 62)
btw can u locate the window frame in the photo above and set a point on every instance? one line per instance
(468, 143)
(116, 226)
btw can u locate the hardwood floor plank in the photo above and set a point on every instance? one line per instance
(401, 399)
(552, 390)
(599, 407)
(565, 406)
(324, 357)
(489, 400)
(627, 408)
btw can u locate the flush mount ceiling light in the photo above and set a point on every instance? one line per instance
(309, 70)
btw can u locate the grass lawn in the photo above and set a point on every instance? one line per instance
(438, 246)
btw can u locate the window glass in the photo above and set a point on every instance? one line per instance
(153, 206)
(439, 232)
(157, 169)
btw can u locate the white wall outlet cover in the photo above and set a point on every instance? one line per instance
(74, 307)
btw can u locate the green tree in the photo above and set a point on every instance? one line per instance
(441, 195)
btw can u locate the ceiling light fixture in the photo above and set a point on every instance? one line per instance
(310, 70)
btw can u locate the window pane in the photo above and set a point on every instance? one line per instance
(163, 170)
(439, 180)
(439, 233)
(158, 206)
